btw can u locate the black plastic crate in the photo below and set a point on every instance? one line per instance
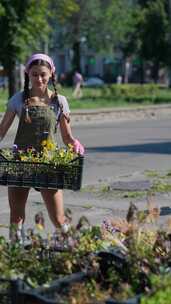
(46, 295)
(9, 291)
(54, 293)
(41, 175)
(18, 292)
(112, 258)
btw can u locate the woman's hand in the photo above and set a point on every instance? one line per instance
(68, 138)
(78, 147)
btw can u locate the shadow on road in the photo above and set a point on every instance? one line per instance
(159, 148)
(165, 210)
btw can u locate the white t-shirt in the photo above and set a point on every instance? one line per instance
(15, 104)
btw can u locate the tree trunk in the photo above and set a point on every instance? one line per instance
(142, 80)
(76, 57)
(12, 81)
(155, 71)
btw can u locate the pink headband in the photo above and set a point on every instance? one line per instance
(40, 57)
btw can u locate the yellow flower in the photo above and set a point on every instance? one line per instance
(50, 145)
(24, 158)
(44, 143)
(70, 146)
(61, 153)
(39, 227)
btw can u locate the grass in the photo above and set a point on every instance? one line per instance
(161, 183)
(3, 100)
(107, 97)
(94, 98)
(151, 173)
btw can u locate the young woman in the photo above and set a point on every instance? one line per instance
(39, 110)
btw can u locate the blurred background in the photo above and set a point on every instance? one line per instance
(109, 41)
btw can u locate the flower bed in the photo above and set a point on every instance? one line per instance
(119, 262)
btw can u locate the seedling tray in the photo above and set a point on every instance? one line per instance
(41, 175)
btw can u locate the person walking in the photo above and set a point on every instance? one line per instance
(78, 82)
(40, 110)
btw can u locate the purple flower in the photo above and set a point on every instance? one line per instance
(14, 148)
(108, 226)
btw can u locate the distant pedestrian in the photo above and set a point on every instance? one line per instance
(78, 82)
(119, 79)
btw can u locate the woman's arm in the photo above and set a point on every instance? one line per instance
(68, 137)
(66, 132)
(6, 123)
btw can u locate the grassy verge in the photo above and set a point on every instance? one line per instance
(110, 96)
(118, 96)
(3, 100)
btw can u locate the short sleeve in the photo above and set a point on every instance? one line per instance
(11, 105)
(15, 103)
(63, 101)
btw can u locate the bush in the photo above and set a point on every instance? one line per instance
(131, 92)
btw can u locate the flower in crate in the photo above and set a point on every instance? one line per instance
(48, 145)
(50, 153)
(28, 155)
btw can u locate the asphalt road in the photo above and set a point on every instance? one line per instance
(113, 150)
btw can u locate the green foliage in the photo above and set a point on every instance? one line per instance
(63, 9)
(161, 290)
(120, 21)
(23, 27)
(2, 11)
(132, 92)
(161, 186)
(154, 32)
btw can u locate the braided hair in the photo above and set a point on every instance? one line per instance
(56, 98)
(26, 93)
(26, 96)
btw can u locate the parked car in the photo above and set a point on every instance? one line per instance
(93, 82)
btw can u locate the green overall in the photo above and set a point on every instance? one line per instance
(42, 126)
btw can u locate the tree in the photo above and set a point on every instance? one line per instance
(100, 23)
(154, 34)
(25, 26)
(79, 26)
(118, 22)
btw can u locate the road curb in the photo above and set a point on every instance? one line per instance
(115, 114)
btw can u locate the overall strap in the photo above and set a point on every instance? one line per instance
(60, 106)
(25, 101)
